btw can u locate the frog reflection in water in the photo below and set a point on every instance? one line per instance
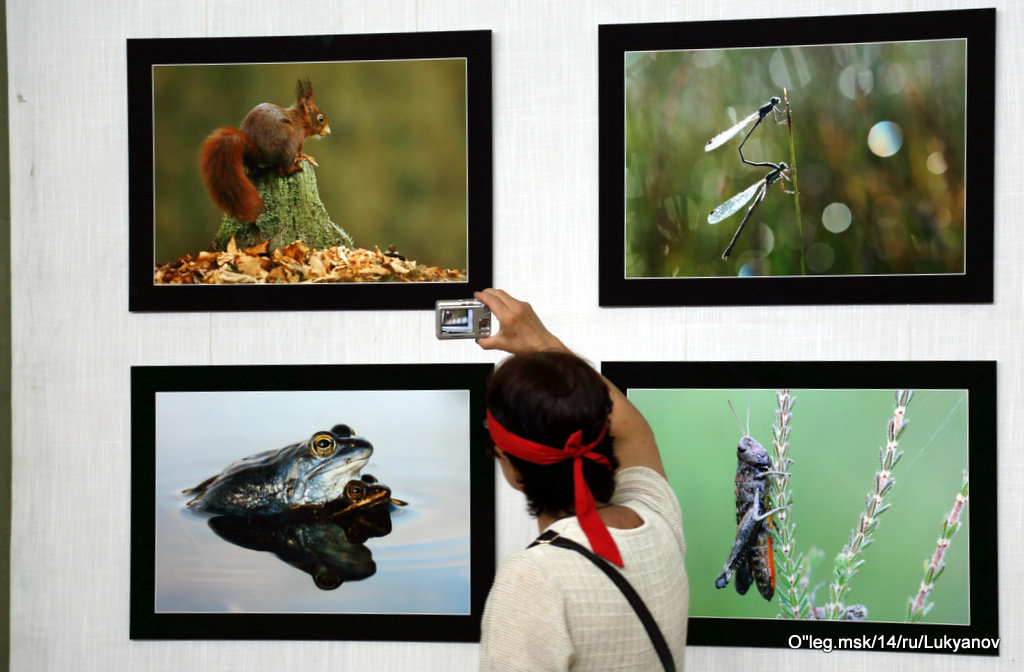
(306, 474)
(325, 542)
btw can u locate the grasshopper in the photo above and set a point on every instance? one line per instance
(751, 558)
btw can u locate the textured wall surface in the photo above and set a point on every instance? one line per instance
(74, 340)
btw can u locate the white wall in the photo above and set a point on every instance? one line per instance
(74, 339)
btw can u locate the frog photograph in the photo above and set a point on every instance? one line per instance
(832, 500)
(311, 501)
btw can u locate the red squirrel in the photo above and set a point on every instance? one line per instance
(270, 137)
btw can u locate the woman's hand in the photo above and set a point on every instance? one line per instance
(521, 330)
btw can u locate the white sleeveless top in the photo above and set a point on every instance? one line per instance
(551, 609)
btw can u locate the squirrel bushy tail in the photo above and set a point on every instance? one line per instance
(222, 160)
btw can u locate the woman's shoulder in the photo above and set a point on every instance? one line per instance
(640, 481)
(649, 492)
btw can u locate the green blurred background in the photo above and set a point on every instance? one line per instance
(393, 170)
(835, 439)
(895, 207)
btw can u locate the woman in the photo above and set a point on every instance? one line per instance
(588, 465)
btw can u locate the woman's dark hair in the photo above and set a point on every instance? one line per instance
(546, 397)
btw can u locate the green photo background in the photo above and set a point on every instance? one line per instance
(393, 171)
(891, 205)
(836, 435)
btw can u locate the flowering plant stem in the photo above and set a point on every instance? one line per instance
(918, 605)
(849, 560)
(790, 568)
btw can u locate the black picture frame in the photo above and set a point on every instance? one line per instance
(293, 56)
(659, 388)
(173, 405)
(677, 259)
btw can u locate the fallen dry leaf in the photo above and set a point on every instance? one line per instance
(262, 248)
(297, 263)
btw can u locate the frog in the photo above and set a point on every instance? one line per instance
(364, 493)
(310, 473)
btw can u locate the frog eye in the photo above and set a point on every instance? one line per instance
(322, 445)
(356, 491)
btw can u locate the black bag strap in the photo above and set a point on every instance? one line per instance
(658, 639)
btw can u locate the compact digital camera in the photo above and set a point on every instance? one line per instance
(462, 318)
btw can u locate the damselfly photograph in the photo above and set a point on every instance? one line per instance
(292, 495)
(838, 499)
(826, 148)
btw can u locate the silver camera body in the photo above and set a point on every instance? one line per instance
(462, 318)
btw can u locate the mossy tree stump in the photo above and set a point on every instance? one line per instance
(292, 211)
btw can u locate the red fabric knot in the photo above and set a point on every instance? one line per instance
(574, 449)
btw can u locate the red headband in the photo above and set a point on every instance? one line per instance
(586, 511)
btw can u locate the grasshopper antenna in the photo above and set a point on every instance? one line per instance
(748, 414)
(738, 423)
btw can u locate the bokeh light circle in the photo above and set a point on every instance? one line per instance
(836, 217)
(885, 138)
(936, 163)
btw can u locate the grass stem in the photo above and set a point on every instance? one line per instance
(796, 187)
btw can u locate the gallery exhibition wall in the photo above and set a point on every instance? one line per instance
(514, 115)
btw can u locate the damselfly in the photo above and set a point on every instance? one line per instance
(756, 191)
(756, 117)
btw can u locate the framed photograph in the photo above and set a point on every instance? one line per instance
(831, 505)
(816, 160)
(320, 172)
(310, 502)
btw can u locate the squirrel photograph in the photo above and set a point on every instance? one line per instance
(270, 138)
(397, 156)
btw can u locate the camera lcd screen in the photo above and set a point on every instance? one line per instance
(457, 320)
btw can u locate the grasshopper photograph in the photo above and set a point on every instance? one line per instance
(836, 499)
